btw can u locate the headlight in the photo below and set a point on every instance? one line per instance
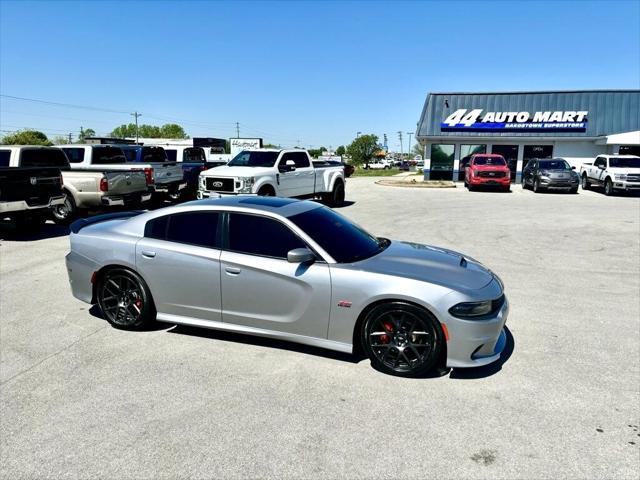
(247, 184)
(471, 309)
(621, 176)
(201, 180)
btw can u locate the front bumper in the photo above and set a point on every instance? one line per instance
(624, 185)
(170, 188)
(475, 343)
(209, 194)
(489, 181)
(22, 205)
(123, 200)
(559, 184)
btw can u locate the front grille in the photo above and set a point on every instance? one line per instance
(220, 184)
(634, 177)
(491, 174)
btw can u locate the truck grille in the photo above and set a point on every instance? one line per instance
(634, 177)
(220, 184)
(491, 174)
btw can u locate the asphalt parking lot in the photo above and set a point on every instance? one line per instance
(82, 400)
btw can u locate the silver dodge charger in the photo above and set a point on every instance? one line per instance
(292, 270)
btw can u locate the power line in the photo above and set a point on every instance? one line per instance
(59, 104)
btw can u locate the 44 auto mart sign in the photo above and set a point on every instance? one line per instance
(477, 120)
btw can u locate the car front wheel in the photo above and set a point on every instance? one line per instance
(608, 187)
(536, 186)
(125, 300)
(402, 339)
(585, 182)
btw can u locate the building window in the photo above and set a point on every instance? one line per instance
(441, 161)
(510, 154)
(629, 150)
(536, 151)
(466, 151)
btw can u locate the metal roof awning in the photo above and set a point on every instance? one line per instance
(626, 138)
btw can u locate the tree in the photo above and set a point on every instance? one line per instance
(316, 152)
(418, 149)
(60, 140)
(341, 150)
(26, 137)
(362, 149)
(84, 133)
(270, 145)
(124, 131)
(172, 130)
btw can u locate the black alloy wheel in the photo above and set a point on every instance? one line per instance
(536, 186)
(66, 211)
(402, 339)
(125, 300)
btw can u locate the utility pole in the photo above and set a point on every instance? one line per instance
(358, 134)
(237, 129)
(409, 147)
(136, 115)
(70, 137)
(384, 135)
(400, 137)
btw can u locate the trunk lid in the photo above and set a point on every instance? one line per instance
(123, 182)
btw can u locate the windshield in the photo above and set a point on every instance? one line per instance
(194, 155)
(345, 241)
(624, 162)
(554, 165)
(248, 158)
(489, 161)
(43, 157)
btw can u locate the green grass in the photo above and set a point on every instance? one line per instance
(361, 172)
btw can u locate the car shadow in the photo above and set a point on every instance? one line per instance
(8, 231)
(264, 342)
(487, 370)
(346, 203)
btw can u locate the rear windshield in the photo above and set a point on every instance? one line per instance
(194, 155)
(489, 161)
(107, 155)
(624, 162)
(554, 165)
(43, 157)
(130, 154)
(154, 154)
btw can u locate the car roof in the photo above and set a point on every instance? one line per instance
(487, 155)
(618, 156)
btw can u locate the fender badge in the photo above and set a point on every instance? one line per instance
(344, 303)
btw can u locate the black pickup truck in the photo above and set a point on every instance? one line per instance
(30, 183)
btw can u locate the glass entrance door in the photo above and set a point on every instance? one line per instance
(441, 162)
(536, 151)
(466, 151)
(510, 154)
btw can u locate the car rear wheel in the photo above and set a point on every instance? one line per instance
(585, 182)
(402, 339)
(125, 300)
(608, 187)
(336, 197)
(65, 212)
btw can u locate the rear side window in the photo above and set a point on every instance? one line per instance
(262, 236)
(193, 228)
(43, 157)
(75, 155)
(107, 155)
(5, 157)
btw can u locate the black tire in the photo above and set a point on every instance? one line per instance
(574, 190)
(266, 191)
(608, 187)
(408, 339)
(125, 299)
(64, 214)
(466, 185)
(536, 186)
(586, 185)
(524, 184)
(336, 197)
(507, 189)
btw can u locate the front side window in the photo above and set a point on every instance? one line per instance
(5, 157)
(43, 157)
(193, 228)
(345, 241)
(256, 235)
(301, 159)
(600, 161)
(75, 155)
(107, 155)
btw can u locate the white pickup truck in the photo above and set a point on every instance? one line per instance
(613, 172)
(270, 172)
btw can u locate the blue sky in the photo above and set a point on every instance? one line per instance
(317, 72)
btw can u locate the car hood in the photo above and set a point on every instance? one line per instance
(227, 171)
(490, 168)
(429, 264)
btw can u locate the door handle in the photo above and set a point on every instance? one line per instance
(148, 254)
(232, 270)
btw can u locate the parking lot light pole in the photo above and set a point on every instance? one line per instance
(136, 115)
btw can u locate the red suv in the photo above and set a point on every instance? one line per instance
(486, 169)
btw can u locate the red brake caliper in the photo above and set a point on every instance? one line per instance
(388, 328)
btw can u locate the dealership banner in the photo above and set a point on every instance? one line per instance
(464, 120)
(236, 145)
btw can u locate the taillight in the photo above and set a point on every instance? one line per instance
(104, 185)
(148, 173)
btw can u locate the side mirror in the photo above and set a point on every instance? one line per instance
(289, 166)
(573, 168)
(601, 167)
(301, 255)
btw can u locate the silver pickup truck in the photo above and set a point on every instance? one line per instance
(98, 178)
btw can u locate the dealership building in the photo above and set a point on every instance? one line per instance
(520, 126)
